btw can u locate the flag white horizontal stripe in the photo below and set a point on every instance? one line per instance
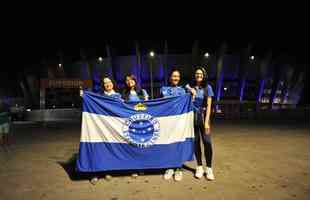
(100, 128)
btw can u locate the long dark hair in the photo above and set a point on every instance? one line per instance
(127, 89)
(115, 88)
(170, 74)
(204, 82)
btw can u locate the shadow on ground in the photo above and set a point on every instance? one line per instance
(70, 167)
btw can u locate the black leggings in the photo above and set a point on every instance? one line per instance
(206, 139)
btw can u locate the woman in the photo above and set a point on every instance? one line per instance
(109, 88)
(132, 91)
(202, 107)
(167, 91)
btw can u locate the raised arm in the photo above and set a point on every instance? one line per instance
(191, 90)
(145, 95)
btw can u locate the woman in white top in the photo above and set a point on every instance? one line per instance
(109, 88)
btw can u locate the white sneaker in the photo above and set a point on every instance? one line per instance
(199, 172)
(94, 180)
(210, 175)
(134, 175)
(168, 174)
(108, 177)
(178, 175)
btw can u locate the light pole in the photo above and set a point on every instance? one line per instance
(206, 59)
(100, 59)
(152, 55)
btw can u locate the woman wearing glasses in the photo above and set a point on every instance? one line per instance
(202, 108)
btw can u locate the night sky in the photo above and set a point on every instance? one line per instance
(25, 55)
(28, 54)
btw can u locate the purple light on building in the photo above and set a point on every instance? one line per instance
(242, 89)
(219, 86)
(261, 90)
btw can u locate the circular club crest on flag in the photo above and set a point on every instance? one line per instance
(141, 130)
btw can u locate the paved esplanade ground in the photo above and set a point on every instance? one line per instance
(253, 160)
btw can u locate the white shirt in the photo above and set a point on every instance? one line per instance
(109, 93)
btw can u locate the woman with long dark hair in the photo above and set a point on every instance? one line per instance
(173, 89)
(202, 108)
(132, 91)
(108, 88)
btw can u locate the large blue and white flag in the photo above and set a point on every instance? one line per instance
(150, 134)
